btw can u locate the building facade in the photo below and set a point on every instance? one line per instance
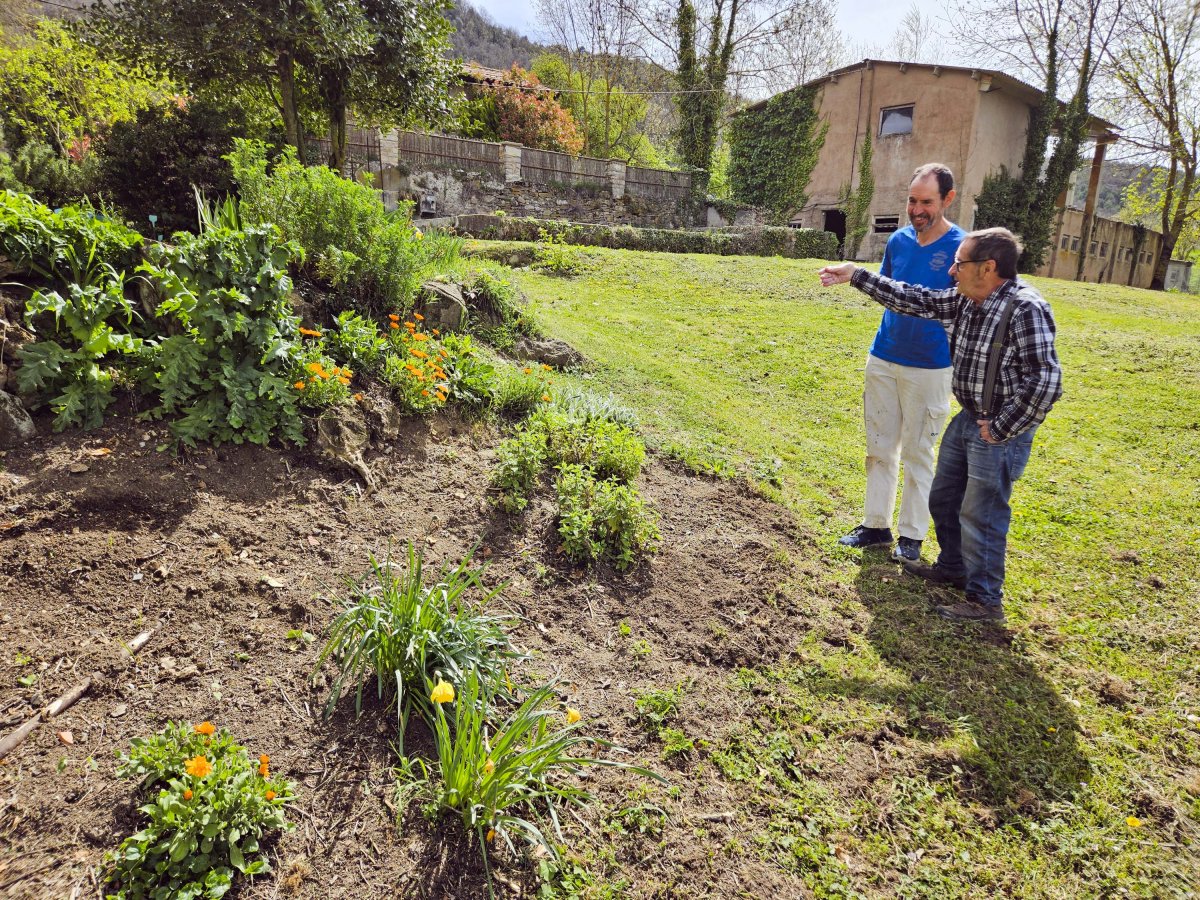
(974, 121)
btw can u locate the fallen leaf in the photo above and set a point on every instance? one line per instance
(77, 468)
(273, 582)
(66, 737)
(119, 710)
(96, 451)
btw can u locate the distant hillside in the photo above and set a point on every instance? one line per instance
(477, 38)
(1114, 178)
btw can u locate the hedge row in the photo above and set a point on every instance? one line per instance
(796, 243)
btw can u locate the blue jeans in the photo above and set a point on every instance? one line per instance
(969, 504)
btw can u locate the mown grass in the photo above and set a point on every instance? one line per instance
(911, 757)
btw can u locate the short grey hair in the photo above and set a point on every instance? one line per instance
(997, 244)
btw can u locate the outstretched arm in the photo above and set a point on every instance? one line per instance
(909, 299)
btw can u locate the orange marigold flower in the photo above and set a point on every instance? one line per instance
(344, 380)
(264, 770)
(270, 795)
(198, 767)
(358, 397)
(443, 354)
(310, 332)
(187, 795)
(315, 367)
(545, 368)
(410, 325)
(205, 728)
(436, 333)
(421, 337)
(418, 317)
(527, 370)
(419, 354)
(441, 396)
(393, 317)
(299, 385)
(491, 835)
(424, 393)
(264, 759)
(393, 325)
(545, 398)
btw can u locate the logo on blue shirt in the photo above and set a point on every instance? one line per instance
(938, 261)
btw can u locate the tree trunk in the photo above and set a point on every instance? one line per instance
(285, 65)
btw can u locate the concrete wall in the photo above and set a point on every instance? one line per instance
(1109, 256)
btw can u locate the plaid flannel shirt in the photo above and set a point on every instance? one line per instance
(1029, 381)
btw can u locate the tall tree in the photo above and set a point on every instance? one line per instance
(720, 47)
(1157, 68)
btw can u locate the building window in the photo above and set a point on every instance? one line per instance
(1104, 249)
(897, 120)
(886, 224)
(1092, 249)
(1066, 241)
(1074, 245)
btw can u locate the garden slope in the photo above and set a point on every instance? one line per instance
(224, 553)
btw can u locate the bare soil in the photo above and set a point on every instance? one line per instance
(223, 552)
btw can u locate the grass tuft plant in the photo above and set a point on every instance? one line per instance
(408, 633)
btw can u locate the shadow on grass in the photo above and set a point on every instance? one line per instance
(1017, 739)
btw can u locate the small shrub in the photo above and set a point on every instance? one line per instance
(357, 342)
(408, 633)
(608, 449)
(554, 256)
(499, 311)
(320, 382)
(602, 519)
(583, 406)
(228, 366)
(468, 380)
(76, 369)
(205, 823)
(519, 390)
(57, 245)
(522, 458)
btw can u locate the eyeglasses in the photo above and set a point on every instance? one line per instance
(959, 263)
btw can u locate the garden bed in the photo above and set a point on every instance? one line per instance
(231, 555)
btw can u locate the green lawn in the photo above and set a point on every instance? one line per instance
(1065, 765)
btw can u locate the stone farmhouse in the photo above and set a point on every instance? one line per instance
(974, 121)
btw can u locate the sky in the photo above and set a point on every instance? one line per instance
(865, 22)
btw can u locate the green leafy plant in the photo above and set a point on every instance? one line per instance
(356, 341)
(579, 405)
(554, 256)
(408, 633)
(519, 390)
(227, 364)
(321, 383)
(55, 244)
(521, 460)
(75, 370)
(656, 707)
(499, 311)
(608, 449)
(468, 380)
(602, 519)
(208, 808)
(376, 258)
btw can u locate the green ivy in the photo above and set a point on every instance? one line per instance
(859, 202)
(773, 150)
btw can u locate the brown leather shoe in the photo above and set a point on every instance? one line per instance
(970, 610)
(934, 574)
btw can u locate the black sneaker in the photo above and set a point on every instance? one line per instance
(862, 536)
(971, 610)
(907, 550)
(935, 574)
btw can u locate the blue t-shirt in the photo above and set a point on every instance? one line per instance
(908, 340)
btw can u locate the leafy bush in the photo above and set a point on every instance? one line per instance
(519, 390)
(379, 257)
(599, 519)
(183, 144)
(498, 309)
(608, 449)
(38, 169)
(468, 379)
(578, 405)
(409, 634)
(319, 380)
(57, 245)
(228, 361)
(357, 341)
(554, 256)
(521, 460)
(79, 366)
(212, 808)
(796, 243)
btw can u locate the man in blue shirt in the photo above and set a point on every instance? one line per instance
(907, 394)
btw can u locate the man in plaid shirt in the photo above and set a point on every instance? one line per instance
(986, 446)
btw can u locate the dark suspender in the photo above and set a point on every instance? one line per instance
(997, 351)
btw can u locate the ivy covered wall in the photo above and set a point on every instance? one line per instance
(773, 149)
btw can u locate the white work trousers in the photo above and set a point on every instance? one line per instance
(904, 409)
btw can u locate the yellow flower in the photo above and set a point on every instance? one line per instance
(198, 767)
(315, 368)
(205, 728)
(187, 795)
(491, 834)
(489, 767)
(418, 235)
(443, 692)
(1133, 822)
(527, 370)
(573, 715)
(299, 385)
(545, 368)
